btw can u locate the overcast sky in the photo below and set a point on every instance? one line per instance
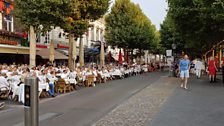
(154, 9)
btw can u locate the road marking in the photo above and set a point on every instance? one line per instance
(5, 111)
(42, 118)
(134, 92)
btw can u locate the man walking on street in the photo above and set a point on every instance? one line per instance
(184, 67)
(198, 67)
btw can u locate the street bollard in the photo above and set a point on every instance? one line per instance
(31, 102)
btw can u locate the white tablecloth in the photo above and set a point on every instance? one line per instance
(70, 81)
(43, 86)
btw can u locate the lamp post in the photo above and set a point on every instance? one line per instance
(174, 46)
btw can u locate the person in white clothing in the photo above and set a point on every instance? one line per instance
(64, 75)
(43, 85)
(51, 78)
(198, 68)
(14, 81)
(4, 86)
(4, 70)
(72, 77)
(3, 82)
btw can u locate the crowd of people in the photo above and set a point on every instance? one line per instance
(12, 77)
(198, 67)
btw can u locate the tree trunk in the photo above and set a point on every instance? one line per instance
(70, 52)
(125, 54)
(81, 52)
(32, 47)
(141, 57)
(51, 58)
(74, 51)
(102, 55)
(132, 56)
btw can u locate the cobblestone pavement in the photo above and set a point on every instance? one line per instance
(140, 108)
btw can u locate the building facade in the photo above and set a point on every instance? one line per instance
(91, 38)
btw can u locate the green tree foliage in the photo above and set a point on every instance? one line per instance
(40, 12)
(199, 22)
(169, 35)
(81, 12)
(128, 27)
(73, 15)
(35, 13)
(76, 22)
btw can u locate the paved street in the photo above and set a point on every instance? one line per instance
(83, 107)
(203, 105)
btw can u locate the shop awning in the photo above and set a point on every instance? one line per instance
(45, 54)
(65, 51)
(91, 51)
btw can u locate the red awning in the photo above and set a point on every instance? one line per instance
(42, 46)
(60, 46)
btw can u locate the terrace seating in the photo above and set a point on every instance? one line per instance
(62, 86)
(100, 79)
(4, 93)
(90, 80)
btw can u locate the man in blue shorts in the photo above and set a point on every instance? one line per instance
(184, 67)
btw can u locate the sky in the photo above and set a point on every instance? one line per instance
(154, 9)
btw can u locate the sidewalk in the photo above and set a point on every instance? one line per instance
(202, 105)
(140, 108)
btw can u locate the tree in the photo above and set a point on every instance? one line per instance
(199, 22)
(39, 16)
(118, 23)
(76, 23)
(128, 27)
(169, 35)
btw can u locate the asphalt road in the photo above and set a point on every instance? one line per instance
(83, 107)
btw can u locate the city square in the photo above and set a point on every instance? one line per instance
(111, 63)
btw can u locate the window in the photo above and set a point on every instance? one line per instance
(38, 38)
(92, 33)
(7, 23)
(47, 38)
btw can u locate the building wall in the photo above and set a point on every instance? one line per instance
(95, 33)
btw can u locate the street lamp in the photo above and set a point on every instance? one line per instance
(174, 46)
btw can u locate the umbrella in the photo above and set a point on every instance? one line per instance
(120, 58)
(109, 57)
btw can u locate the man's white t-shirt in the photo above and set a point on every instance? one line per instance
(198, 65)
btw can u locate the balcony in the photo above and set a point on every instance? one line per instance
(13, 38)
